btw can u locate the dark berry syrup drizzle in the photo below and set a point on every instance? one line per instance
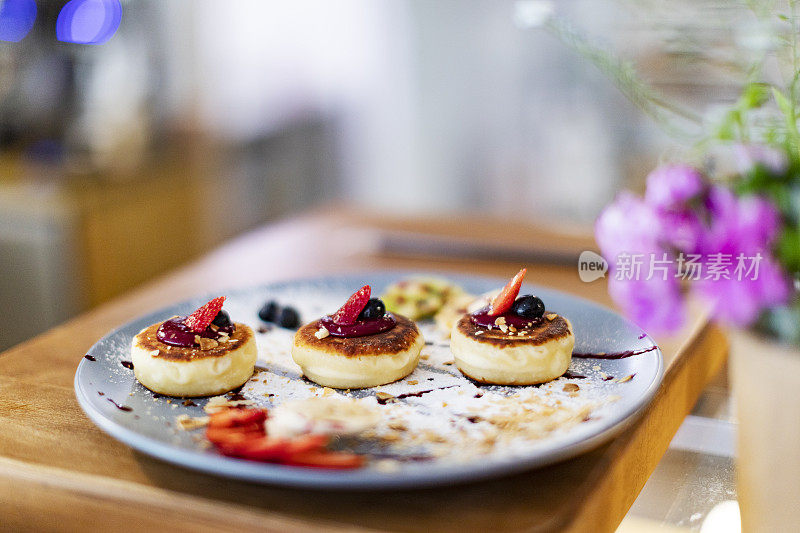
(613, 355)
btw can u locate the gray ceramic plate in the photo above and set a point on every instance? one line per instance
(148, 423)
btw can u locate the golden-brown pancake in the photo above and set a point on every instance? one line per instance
(358, 362)
(534, 355)
(192, 371)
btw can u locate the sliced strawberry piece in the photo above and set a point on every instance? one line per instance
(200, 319)
(503, 301)
(269, 449)
(233, 436)
(348, 314)
(236, 417)
(306, 443)
(326, 459)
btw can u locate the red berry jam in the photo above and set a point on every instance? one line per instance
(361, 328)
(482, 318)
(175, 333)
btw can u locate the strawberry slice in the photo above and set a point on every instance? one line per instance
(326, 459)
(200, 319)
(235, 417)
(272, 449)
(233, 436)
(348, 314)
(239, 432)
(307, 443)
(503, 301)
(263, 448)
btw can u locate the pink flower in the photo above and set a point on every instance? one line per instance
(672, 186)
(742, 227)
(627, 225)
(655, 304)
(732, 237)
(631, 226)
(740, 301)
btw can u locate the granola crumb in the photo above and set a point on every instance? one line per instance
(187, 423)
(384, 396)
(205, 344)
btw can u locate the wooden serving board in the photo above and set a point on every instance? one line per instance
(59, 472)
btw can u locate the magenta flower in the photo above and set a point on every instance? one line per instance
(630, 227)
(742, 229)
(655, 304)
(748, 223)
(627, 225)
(672, 186)
(728, 237)
(740, 301)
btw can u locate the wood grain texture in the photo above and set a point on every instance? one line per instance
(59, 472)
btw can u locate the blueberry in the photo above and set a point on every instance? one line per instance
(222, 320)
(374, 309)
(528, 306)
(269, 312)
(288, 318)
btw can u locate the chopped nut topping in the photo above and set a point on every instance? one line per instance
(626, 378)
(187, 423)
(385, 396)
(217, 403)
(206, 344)
(399, 426)
(500, 320)
(551, 316)
(512, 329)
(322, 332)
(503, 328)
(412, 382)
(155, 353)
(571, 387)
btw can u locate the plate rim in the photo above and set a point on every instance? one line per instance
(412, 476)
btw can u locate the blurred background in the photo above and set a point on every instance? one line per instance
(192, 122)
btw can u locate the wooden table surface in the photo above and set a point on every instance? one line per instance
(59, 472)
